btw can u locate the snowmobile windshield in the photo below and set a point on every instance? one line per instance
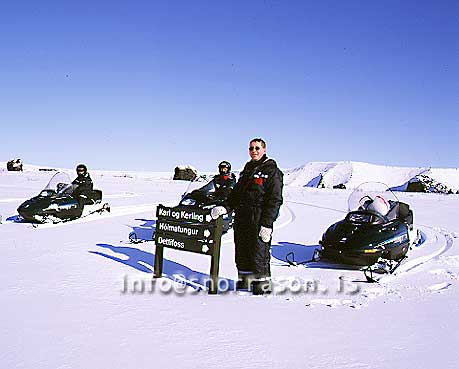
(198, 193)
(367, 192)
(60, 184)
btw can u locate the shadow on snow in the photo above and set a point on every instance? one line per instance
(302, 255)
(143, 232)
(14, 219)
(144, 261)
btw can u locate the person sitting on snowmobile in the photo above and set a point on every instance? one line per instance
(82, 184)
(224, 182)
(219, 188)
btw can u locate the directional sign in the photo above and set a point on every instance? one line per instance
(172, 241)
(189, 230)
(183, 214)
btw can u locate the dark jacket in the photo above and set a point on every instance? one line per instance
(83, 185)
(259, 190)
(224, 184)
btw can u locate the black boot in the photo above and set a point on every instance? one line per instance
(243, 282)
(261, 287)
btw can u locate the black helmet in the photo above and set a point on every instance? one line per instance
(81, 168)
(224, 164)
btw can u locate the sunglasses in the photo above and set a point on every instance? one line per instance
(253, 148)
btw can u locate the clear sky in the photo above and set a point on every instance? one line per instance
(151, 84)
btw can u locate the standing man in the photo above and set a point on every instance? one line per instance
(256, 200)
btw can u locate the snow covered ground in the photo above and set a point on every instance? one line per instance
(71, 293)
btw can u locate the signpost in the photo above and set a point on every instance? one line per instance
(188, 229)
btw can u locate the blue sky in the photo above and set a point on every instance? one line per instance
(146, 85)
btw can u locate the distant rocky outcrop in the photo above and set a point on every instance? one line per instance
(14, 165)
(424, 183)
(185, 173)
(47, 170)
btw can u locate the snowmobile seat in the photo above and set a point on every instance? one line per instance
(90, 197)
(400, 211)
(405, 214)
(394, 210)
(96, 195)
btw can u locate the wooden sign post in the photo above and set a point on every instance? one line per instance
(188, 229)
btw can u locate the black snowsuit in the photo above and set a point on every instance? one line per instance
(217, 190)
(256, 200)
(224, 184)
(83, 187)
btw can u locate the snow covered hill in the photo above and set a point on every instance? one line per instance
(352, 174)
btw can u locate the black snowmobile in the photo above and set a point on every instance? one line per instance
(206, 197)
(55, 203)
(372, 236)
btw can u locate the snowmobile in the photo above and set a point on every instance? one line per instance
(376, 233)
(206, 197)
(56, 203)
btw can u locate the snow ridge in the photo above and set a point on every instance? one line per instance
(352, 174)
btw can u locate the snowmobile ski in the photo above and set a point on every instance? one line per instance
(382, 267)
(290, 258)
(133, 238)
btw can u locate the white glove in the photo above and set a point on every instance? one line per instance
(217, 211)
(265, 233)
